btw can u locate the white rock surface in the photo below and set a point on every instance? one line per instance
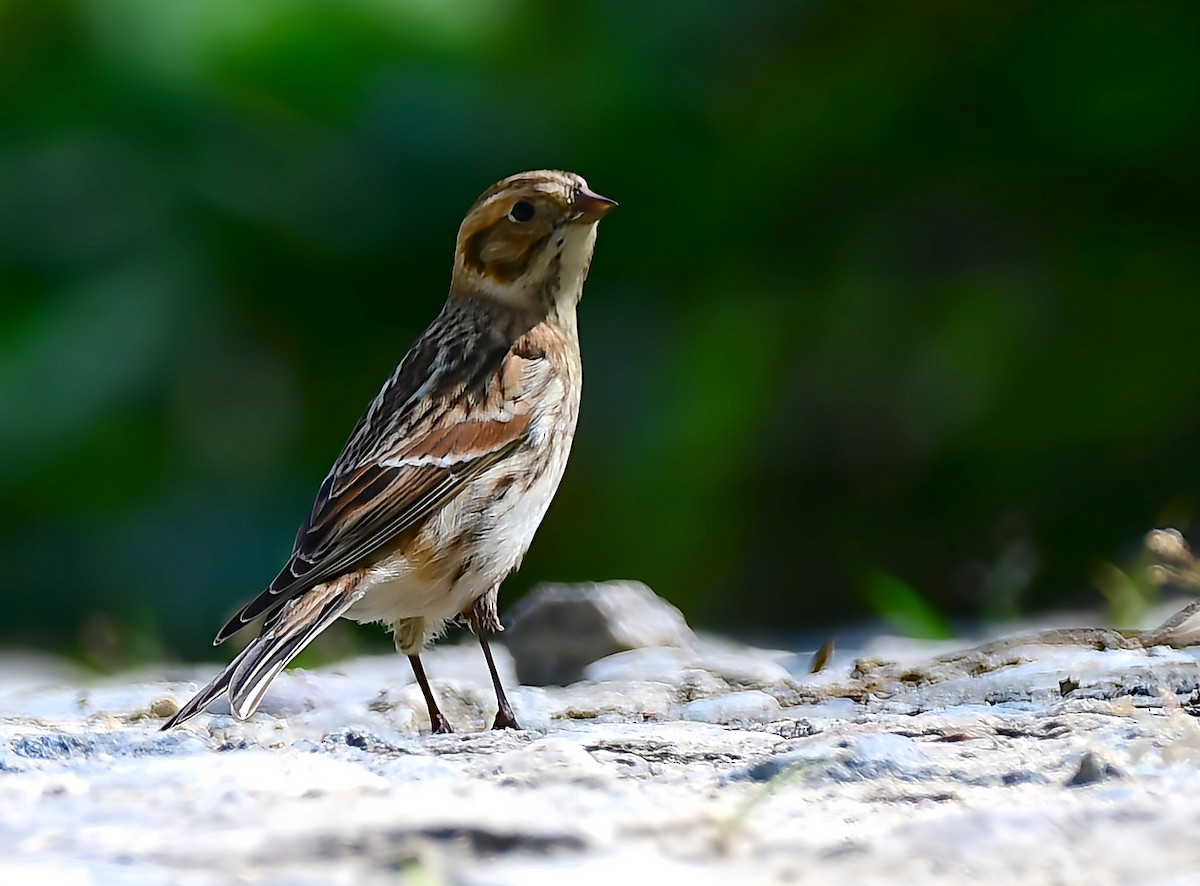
(746, 706)
(664, 768)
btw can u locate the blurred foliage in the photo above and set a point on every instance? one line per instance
(899, 604)
(895, 290)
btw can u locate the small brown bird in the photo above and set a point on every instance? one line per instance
(443, 482)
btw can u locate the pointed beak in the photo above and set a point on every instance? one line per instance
(591, 206)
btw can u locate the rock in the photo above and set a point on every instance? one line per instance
(557, 630)
(549, 759)
(633, 701)
(662, 664)
(1091, 770)
(749, 705)
(750, 669)
(746, 668)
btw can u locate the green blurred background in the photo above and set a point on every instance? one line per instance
(899, 312)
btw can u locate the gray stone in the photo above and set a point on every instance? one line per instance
(557, 630)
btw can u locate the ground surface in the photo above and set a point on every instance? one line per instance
(1018, 763)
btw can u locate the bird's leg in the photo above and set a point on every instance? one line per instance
(479, 618)
(438, 723)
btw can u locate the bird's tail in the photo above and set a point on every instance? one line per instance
(285, 634)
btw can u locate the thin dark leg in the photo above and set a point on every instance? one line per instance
(437, 722)
(505, 718)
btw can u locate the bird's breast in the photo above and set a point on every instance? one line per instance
(481, 535)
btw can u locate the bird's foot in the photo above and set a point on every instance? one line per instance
(505, 719)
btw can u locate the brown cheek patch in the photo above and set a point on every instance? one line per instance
(500, 253)
(473, 251)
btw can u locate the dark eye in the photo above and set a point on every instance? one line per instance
(522, 211)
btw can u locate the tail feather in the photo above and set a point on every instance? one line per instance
(210, 693)
(247, 677)
(300, 622)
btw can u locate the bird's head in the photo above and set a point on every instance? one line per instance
(527, 242)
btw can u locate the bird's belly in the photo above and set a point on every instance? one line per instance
(396, 590)
(463, 553)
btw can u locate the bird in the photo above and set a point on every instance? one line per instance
(438, 492)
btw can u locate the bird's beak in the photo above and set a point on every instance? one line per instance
(591, 206)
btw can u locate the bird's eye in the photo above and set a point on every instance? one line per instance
(522, 211)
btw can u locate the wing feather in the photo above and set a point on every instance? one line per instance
(440, 421)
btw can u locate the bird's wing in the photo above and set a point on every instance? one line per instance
(407, 457)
